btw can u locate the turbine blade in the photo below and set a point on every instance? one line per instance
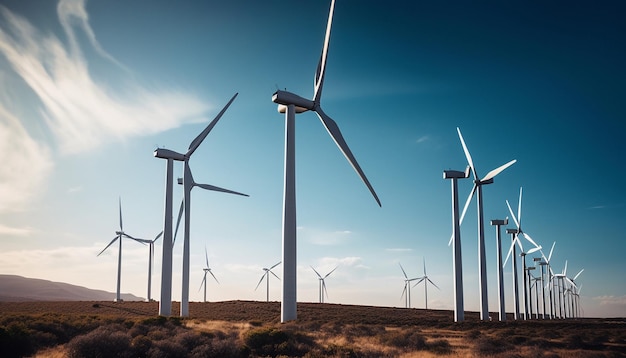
(424, 261)
(467, 203)
(321, 66)
(404, 290)
(420, 281)
(565, 269)
(214, 276)
(324, 288)
(578, 274)
(180, 215)
(498, 170)
(273, 274)
(261, 280)
(120, 205)
(534, 249)
(157, 237)
(203, 282)
(131, 237)
(433, 284)
(530, 239)
(509, 253)
(519, 207)
(335, 133)
(216, 188)
(318, 274)
(402, 268)
(110, 243)
(328, 274)
(206, 256)
(198, 140)
(550, 255)
(512, 214)
(467, 153)
(276, 264)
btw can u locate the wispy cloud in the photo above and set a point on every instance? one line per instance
(25, 164)
(81, 112)
(398, 250)
(422, 139)
(611, 300)
(14, 231)
(324, 238)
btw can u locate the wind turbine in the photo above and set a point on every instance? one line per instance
(266, 276)
(573, 287)
(188, 184)
(206, 270)
(290, 104)
(477, 189)
(150, 261)
(426, 280)
(118, 237)
(516, 313)
(518, 223)
(323, 283)
(406, 292)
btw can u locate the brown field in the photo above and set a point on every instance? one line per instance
(244, 328)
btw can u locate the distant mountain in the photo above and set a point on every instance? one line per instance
(15, 288)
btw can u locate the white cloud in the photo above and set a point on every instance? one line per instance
(611, 300)
(324, 238)
(25, 164)
(80, 112)
(422, 139)
(14, 231)
(398, 250)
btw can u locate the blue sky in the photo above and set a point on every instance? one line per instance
(89, 90)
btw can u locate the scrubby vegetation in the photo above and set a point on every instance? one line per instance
(252, 329)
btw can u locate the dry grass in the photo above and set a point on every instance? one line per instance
(321, 330)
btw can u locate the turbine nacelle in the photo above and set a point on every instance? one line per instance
(284, 99)
(169, 154)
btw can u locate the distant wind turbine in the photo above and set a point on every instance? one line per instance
(118, 237)
(266, 276)
(426, 281)
(207, 270)
(150, 261)
(290, 104)
(406, 292)
(549, 273)
(322, 283)
(477, 189)
(498, 223)
(188, 184)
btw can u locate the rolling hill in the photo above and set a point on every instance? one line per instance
(15, 288)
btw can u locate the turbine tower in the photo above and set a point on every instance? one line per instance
(498, 223)
(477, 189)
(118, 236)
(188, 184)
(516, 313)
(426, 280)
(150, 261)
(266, 276)
(406, 292)
(207, 270)
(455, 240)
(290, 104)
(550, 274)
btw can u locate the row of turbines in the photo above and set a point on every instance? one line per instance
(291, 104)
(562, 291)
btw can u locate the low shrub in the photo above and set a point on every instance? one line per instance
(404, 339)
(439, 346)
(486, 346)
(274, 342)
(106, 341)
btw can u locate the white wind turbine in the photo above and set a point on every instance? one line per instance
(572, 288)
(498, 223)
(118, 237)
(188, 184)
(322, 283)
(406, 292)
(290, 104)
(477, 189)
(266, 276)
(207, 270)
(150, 261)
(426, 280)
(518, 232)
